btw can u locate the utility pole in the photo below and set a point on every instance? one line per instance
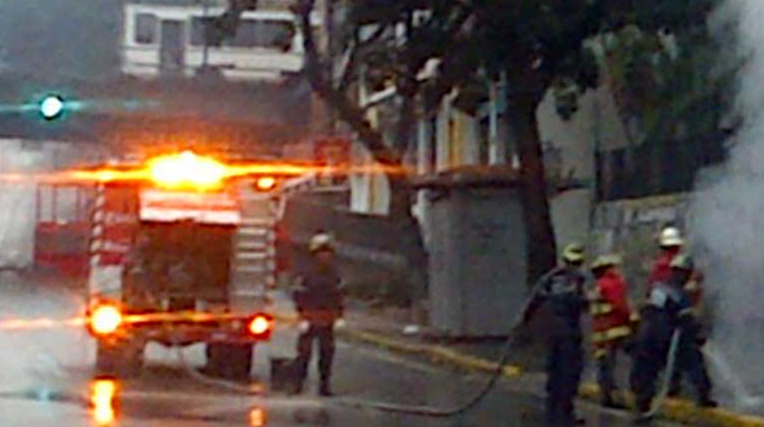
(329, 47)
(206, 33)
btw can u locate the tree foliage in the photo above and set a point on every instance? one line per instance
(537, 45)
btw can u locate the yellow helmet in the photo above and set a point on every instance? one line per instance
(321, 241)
(671, 236)
(574, 252)
(603, 261)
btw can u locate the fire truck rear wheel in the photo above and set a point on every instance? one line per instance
(122, 359)
(231, 361)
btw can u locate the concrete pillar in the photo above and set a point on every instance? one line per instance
(424, 149)
(497, 144)
(443, 158)
(424, 166)
(467, 139)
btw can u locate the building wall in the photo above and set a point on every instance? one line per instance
(631, 228)
(17, 218)
(570, 147)
(572, 144)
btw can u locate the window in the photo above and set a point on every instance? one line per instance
(268, 34)
(204, 26)
(145, 28)
(250, 33)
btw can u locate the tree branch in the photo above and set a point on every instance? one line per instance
(347, 110)
(352, 57)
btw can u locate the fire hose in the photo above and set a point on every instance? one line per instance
(430, 411)
(427, 411)
(660, 400)
(210, 381)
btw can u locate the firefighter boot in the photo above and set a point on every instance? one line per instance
(609, 402)
(643, 404)
(705, 401)
(324, 389)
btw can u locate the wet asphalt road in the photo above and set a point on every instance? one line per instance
(46, 380)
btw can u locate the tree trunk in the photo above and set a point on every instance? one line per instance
(412, 243)
(540, 240)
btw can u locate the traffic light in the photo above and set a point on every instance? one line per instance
(52, 107)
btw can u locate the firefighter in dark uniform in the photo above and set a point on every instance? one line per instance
(562, 294)
(669, 308)
(318, 299)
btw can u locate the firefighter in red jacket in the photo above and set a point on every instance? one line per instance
(671, 244)
(611, 322)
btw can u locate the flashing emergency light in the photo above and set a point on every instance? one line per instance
(265, 183)
(187, 170)
(259, 325)
(52, 107)
(105, 319)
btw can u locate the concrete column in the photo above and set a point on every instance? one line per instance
(497, 148)
(360, 183)
(443, 145)
(424, 149)
(468, 138)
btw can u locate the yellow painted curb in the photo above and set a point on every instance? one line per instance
(678, 410)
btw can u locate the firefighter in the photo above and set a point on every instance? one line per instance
(611, 322)
(318, 299)
(562, 293)
(669, 309)
(671, 243)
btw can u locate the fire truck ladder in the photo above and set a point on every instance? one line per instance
(254, 263)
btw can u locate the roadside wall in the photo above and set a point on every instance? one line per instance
(631, 227)
(376, 257)
(17, 196)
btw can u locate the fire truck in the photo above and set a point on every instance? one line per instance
(181, 251)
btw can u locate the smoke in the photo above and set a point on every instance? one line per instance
(727, 221)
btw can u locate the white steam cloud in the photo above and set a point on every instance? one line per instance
(727, 224)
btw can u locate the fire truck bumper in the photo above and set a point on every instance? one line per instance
(182, 329)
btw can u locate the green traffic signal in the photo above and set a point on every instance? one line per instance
(51, 107)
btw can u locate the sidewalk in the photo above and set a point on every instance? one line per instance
(386, 330)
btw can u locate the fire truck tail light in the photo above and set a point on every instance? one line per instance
(265, 183)
(260, 325)
(105, 319)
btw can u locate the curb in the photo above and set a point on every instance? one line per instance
(677, 410)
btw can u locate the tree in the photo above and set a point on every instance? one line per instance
(546, 44)
(375, 51)
(537, 45)
(675, 90)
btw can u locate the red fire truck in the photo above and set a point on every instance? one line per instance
(180, 253)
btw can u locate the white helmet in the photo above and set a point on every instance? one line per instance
(321, 241)
(603, 261)
(670, 236)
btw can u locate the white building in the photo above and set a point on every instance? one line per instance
(167, 37)
(454, 139)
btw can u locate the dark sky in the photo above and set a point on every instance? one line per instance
(57, 39)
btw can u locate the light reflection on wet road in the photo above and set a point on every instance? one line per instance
(45, 380)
